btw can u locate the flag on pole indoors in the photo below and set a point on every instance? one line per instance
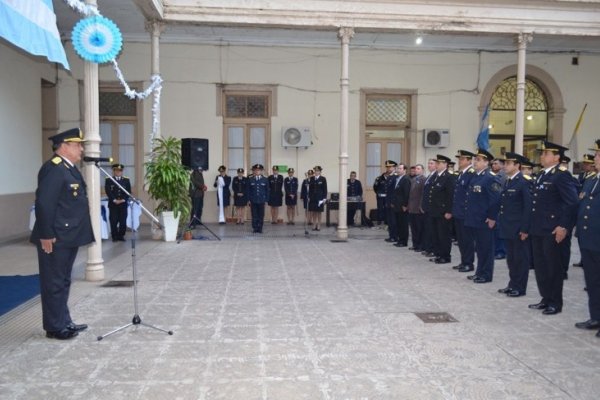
(483, 139)
(31, 25)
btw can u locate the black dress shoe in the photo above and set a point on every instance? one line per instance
(538, 306)
(76, 327)
(466, 268)
(515, 293)
(551, 310)
(499, 257)
(389, 240)
(442, 260)
(479, 279)
(472, 277)
(579, 264)
(429, 254)
(505, 290)
(65, 334)
(413, 248)
(400, 244)
(459, 266)
(589, 324)
(434, 259)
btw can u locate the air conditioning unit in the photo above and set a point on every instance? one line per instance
(436, 137)
(296, 136)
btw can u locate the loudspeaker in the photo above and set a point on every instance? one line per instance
(194, 153)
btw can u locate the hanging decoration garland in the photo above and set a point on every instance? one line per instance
(100, 45)
(97, 39)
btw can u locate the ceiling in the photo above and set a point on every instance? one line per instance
(131, 22)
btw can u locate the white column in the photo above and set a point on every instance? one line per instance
(344, 34)
(94, 270)
(522, 40)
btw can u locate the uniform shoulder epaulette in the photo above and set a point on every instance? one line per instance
(471, 170)
(527, 177)
(56, 160)
(492, 174)
(591, 175)
(107, 178)
(126, 177)
(563, 169)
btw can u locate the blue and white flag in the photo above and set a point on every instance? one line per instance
(31, 25)
(483, 139)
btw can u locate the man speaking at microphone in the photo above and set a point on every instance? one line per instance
(62, 225)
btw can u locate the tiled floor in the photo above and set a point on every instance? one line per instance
(294, 316)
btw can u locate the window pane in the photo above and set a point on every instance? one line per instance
(372, 173)
(236, 136)
(386, 133)
(394, 152)
(374, 154)
(387, 110)
(127, 158)
(126, 134)
(257, 137)
(236, 159)
(257, 156)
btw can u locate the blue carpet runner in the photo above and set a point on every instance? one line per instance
(16, 290)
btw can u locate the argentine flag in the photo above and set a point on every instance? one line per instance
(31, 25)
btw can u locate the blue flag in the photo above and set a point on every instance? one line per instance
(483, 139)
(31, 25)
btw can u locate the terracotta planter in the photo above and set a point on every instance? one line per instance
(187, 235)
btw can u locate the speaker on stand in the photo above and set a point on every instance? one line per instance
(194, 153)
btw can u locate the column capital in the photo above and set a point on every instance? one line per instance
(155, 27)
(524, 38)
(345, 34)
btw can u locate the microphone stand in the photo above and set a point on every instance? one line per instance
(136, 320)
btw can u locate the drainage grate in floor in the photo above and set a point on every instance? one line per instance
(118, 284)
(435, 317)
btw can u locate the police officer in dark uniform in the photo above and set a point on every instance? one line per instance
(258, 195)
(117, 202)
(275, 194)
(428, 228)
(390, 219)
(290, 186)
(466, 244)
(588, 234)
(380, 189)
(553, 216)
(399, 199)
(239, 185)
(514, 220)
(317, 195)
(353, 190)
(588, 172)
(440, 209)
(62, 225)
(483, 203)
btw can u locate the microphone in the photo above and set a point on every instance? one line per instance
(97, 159)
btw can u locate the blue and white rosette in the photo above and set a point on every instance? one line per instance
(97, 39)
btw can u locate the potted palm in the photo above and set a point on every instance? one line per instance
(167, 182)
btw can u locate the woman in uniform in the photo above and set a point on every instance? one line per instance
(239, 185)
(290, 184)
(317, 194)
(304, 196)
(275, 194)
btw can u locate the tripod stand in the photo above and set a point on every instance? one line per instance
(136, 320)
(195, 220)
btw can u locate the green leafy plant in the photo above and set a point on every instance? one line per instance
(167, 180)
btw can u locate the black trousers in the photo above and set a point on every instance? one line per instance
(518, 263)
(381, 213)
(118, 220)
(428, 230)
(55, 283)
(402, 227)
(591, 272)
(258, 216)
(484, 248)
(549, 271)
(197, 206)
(417, 224)
(442, 243)
(392, 223)
(466, 242)
(565, 252)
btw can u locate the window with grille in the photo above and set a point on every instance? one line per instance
(246, 106)
(116, 104)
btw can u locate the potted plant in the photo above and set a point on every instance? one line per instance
(167, 182)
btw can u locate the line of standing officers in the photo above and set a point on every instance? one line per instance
(534, 215)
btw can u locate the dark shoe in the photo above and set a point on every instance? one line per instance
(538, 306)
(499, 257)
(429, 254)
(65, 334)
(472, 277)
(399, 244)
(221, 223)
(565, 276)
(442, 260)
(506, 290)
(598, 334)
(515, 293)
(551, 310)
(76, 328)
(434, 259)
(579, 264)
(115, 240)
(122, 239)
(390, 240)
(466, 268)
(481, 280)
(589, 324)
(413, 248)
(459, 266)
